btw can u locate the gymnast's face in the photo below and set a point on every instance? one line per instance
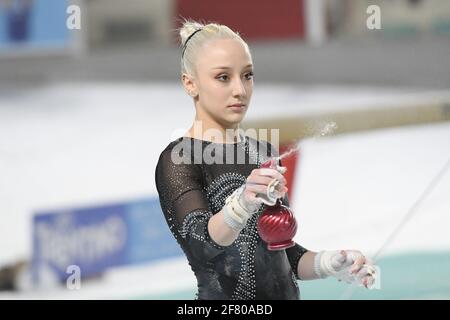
(224, 78)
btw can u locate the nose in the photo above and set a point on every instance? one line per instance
(238, 88)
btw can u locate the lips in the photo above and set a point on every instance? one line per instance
(237, 105)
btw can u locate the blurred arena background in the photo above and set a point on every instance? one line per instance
(84, 114)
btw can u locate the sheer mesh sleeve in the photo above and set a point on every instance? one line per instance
(294, 253)
(185, 206)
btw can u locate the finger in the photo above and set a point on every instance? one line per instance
(266, 172)
(254, 199)
(338, 260)
(272, 173)
(368, 281)
(259, 180)
(281, 187)
(365, 272)
(371, 269)
(280, 181)
(353, 255)
(364, 282)
(256, 189)
(368, 269)
(357, 265)
(344, 259)
(271, 163)
(261, 189)
(360, 260)
(280, 177)
(281, 170)
(355, 268)
(279, 194)
(282, 190)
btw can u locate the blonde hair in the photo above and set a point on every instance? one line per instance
(194, 35)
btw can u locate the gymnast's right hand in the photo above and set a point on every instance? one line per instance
(263, 185)
(246, 200)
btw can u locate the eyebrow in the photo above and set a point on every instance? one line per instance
(249, 65)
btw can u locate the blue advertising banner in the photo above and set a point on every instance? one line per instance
(97, 238)
(36, 24)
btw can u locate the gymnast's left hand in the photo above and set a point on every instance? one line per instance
(346, 265)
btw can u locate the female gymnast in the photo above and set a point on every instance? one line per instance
(211, 185)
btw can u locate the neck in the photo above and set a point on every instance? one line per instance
(205, 128)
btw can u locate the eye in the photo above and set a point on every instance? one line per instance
(223, 77)
(249, 75)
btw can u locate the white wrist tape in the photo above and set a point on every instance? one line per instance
(235, 215)
(333, 263)
(317, 265)
(330, 263)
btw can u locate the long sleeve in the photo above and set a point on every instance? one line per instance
(294, 253)
(185, 206)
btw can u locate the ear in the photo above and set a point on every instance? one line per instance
(189, 85)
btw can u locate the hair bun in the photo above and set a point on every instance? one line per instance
(188, 28)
